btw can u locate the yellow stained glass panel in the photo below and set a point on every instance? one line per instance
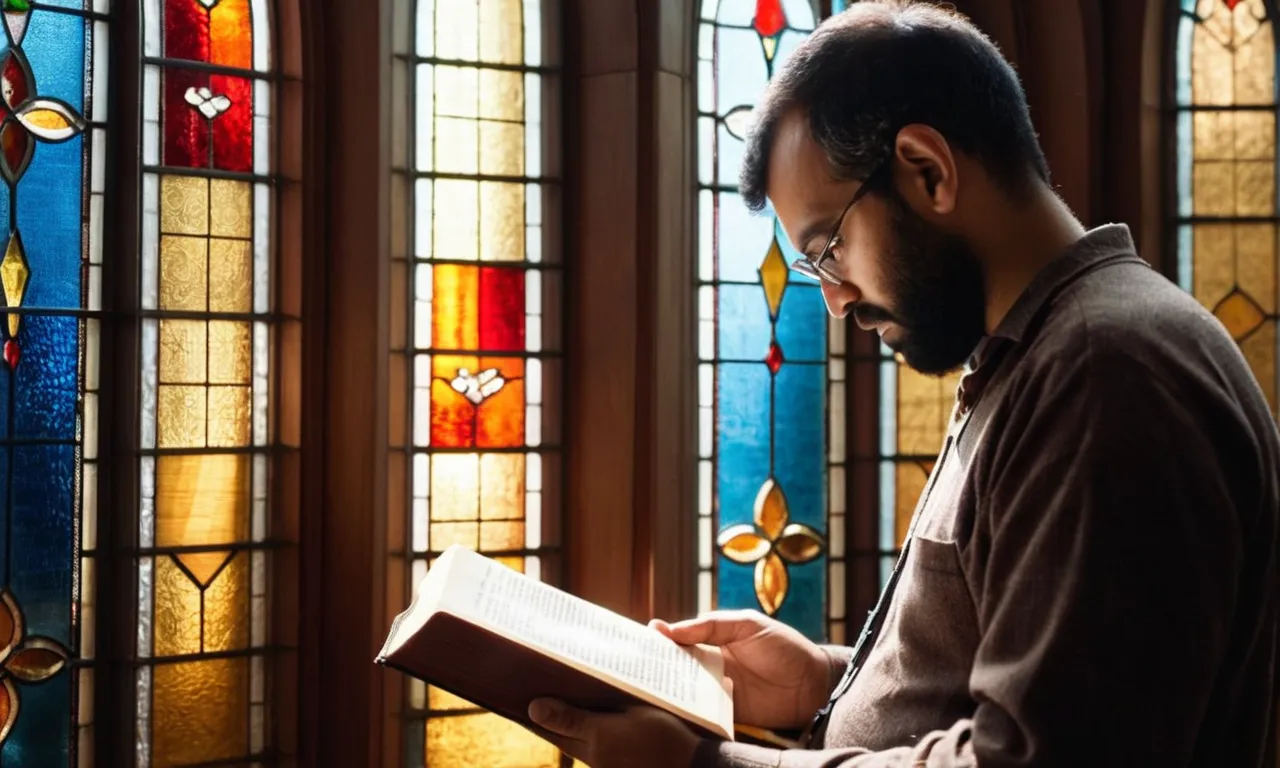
(180, 411)
(501, 149)
(501, 95)
(1214, 273)
(910, 479)
(501, 221)
(1255, 134)
(177, 610)
(1260, 350)
(1213, 132)
(230, 352)
(455, 302)
(183, 352)
(230, 208)
(444, 701)
(501, 32)
(1211, 69)
(924, 406)
(455, 487)
(226, 607)
(1214, 188)
(199, 711)
(456, 225)
(445, 535)
(1255, 188)
(457, 145)
(202, 500)
(184, 205)
(502, 478)
(184, 276)
(1256, 263)
(501, 536)
(1255, 67)
(467, 741)
(229, 416)
(230, 276)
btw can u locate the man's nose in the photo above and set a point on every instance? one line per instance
(840, 298)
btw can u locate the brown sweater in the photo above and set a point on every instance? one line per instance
(1092, 579)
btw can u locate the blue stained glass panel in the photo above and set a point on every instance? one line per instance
(729, 152)
(742, 436)
(799, 14)
(802, 324)
(41, 546)
(805, 604)
(738, 51)
(737, 585)
(744, 240)
(49, 213)
(55, 47)
(786, 46)
(40, 736)
(747, 335)
(46, 379)
(739, 12)
(800, 458)
(838, 5)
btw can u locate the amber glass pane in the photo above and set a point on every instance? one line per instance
(924, 406)
(1260, 350)
(230, 276)
(1255, 66)
(183, 352)
(501, 33)
(1212, 69)
(177, 610)
(501, 536)
(486, 740)
(198, 711)
(228, 417)
(184, 276)
(1255, 188)
(202, 500)
(226, 607)
(457, 146)
(1255, 134)
(1214, 274)
(502, 478)
(184, 205)
(1213, 132)
(180, 412)
(230, 208)
(1214, 188)
(1256, 263)
(501, 221)
(501, 94)
(502, 149)
(444, 701)
(445, 535)
(230, 352)
(456, 224)
(455, 299)
(910, 480)
(455, 486)
(496, 421)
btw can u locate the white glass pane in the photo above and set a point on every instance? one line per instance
(888, 507)
(89, 510)
(151, 143)
(705, 432)
(151, 27)
(101, 41)
(706, 236)
(144, 607)
(261, 248)
(533, 244)
(147, 505)
(463, 24)
(704, 542)
(91, 354)
(90, 446)
(533, 382)
(706, 41)
(533, 426)
(706, 386)
(422, 324)
(532, 33)
(533, 125)
(836, 336)
(259, 567)
(423, 284)
(426, 27)
(533, 472)
(257, 683)
(704, 592)
(143, 751)
(836, 584)
(835, 369)
(95, 228)
(532, 519)
(98, 177)
(421, 475)
(259, 477)
(736, 12)
(259, 527)
(533, 292)
(261, 98)
(709, 9)
(533, 567)
(422, 415)
(533, 204)
(262, 145)
(706, 87)
(835, 490)
(706, 150)
(102, 6)
(424, 145)
(421, 515)
(706, 303)
(799, 14)
(835, 539)
(422, 219)
(706, 340)
(261, 36)
(261, 373)
(533, 333)
(150, 239)
(151, 92)
(95, 288)
(258, 629)
(148, 419)
(836, 416)
(888, 409)
(257, 728)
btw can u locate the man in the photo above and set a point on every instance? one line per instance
(1091, 579)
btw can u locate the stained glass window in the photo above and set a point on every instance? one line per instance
(206, 349)
(52, 156)
(475, 329)
(1225, 89)
(771, 371)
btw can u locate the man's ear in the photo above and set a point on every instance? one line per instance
(926, 171)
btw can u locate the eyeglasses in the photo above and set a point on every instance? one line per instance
(815, 267)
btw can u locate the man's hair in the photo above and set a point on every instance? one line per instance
(881, 65)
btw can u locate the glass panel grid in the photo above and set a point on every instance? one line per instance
(206, 342)
(1225, 124)
(475, 341)
(771, 373)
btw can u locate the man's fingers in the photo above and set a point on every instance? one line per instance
(560, 718)
(718, 628)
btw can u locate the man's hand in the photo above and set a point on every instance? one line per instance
(641, 737)
(780, 677)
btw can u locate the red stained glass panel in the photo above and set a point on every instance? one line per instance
(15, 86)
(501, 309)
(15, 142)
(770, 18)
(492, 417)
(186, 131)
(231, 34)
(186, 30)
(233, 129)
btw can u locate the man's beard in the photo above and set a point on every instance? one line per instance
(935, 282)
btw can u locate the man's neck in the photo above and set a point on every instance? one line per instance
(1017, 245)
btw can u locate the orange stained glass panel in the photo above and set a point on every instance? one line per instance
(202, 501)
(231, 34)
(1260, 350)
(454, 307)
(199, 711)
(483, 414)
(910, 480)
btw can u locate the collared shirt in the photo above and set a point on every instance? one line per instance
(1092, 575)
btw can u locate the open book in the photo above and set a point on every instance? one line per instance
(500, 639)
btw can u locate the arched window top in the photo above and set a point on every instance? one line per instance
(488, 31)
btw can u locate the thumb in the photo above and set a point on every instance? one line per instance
(558, 717)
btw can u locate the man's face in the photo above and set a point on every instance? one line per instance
(916, 285)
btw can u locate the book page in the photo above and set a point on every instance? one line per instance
(595, 637)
